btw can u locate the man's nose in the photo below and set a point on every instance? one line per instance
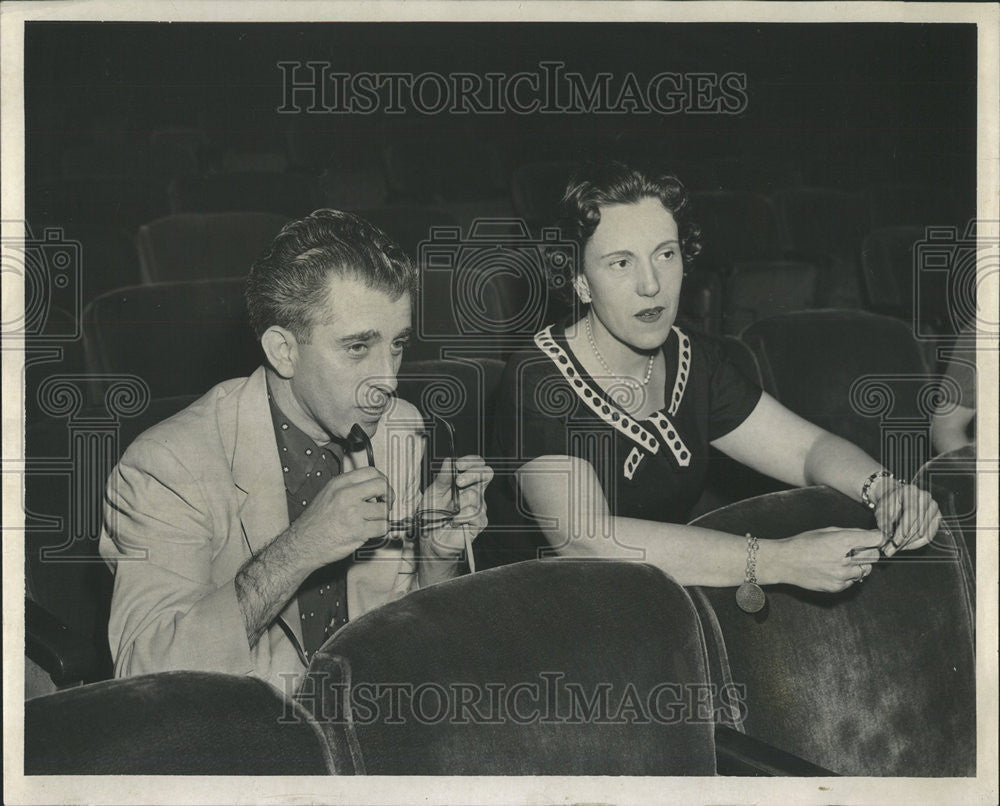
(383, 384)
(647, 283)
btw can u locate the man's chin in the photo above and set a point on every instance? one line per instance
(369, 424)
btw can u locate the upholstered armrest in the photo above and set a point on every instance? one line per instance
(739, 754)
(65, 654)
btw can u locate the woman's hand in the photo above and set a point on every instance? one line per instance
(829, 559)
(906, 515)
(472, 475)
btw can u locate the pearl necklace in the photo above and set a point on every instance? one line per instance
(628, 383)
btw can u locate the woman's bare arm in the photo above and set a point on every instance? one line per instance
(566, 498)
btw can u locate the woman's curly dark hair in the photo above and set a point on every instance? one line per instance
(595, 184)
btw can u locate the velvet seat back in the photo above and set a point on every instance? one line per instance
(200, 246)
(180, 338)
(407, 225)
(876, 680)
(530, 648)
(859, 375)
(288, 194)
(172, 723)
(71, 459)
(735, 226)
(460, 391)
(950, 478)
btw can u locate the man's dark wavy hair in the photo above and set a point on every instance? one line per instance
(598, 183)
(288, 284)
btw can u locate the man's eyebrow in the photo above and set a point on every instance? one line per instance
(405, 333)
(364, 335)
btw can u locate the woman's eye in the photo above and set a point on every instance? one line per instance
(668, 254)
(621, 263)
(357, 349)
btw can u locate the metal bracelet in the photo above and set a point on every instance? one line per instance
(749, 596)
(867, 486)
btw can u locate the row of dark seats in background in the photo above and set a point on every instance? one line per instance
(455, 163)
(831, 246)
(474, 294)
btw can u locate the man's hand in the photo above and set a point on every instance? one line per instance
(472, 475)
(352, 508)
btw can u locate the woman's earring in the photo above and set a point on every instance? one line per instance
(582, 291)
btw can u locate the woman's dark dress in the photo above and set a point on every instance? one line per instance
(652, 469)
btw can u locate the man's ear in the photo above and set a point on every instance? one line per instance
(281, 349)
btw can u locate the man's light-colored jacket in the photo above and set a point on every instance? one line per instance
(189, 501)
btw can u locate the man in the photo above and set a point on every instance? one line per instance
(232, 527)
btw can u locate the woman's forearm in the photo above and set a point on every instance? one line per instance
(578, 523)
(690, 554)
(837, 463)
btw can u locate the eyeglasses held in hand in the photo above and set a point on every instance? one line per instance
(432, 518)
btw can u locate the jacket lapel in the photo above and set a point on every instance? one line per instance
(249, 440)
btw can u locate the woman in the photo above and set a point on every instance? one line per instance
(609, 419)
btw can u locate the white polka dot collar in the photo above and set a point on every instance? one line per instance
(598, 402)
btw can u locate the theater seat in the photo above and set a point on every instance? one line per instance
(70, 455)
(92, 202)
(826, 226)
(202, 246)
(179, 338)
(438, 168)
(288, 194)
(173, 723)
(460, 390)
(535, 637)
(408, 226)
(950, 478)
(877, 680)
(896, 205)
(757, 289)
(735, 226)
(536, 189)
(859, 375)
(895, 279)
(484, 293)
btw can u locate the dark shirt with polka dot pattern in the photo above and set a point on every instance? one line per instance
(307, 468)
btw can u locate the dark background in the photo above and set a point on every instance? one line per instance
(847, 103)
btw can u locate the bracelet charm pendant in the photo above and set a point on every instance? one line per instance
(749, 596)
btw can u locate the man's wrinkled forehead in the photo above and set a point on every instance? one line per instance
(352, 305)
